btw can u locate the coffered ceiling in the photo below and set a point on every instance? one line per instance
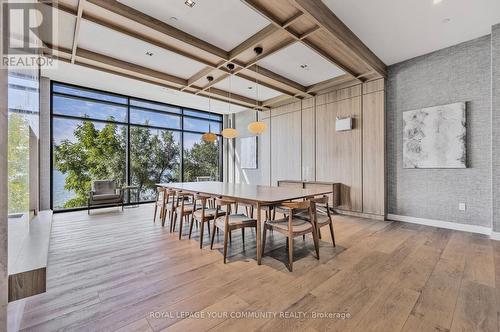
(167, 43)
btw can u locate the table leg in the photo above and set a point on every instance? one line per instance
(258, 235)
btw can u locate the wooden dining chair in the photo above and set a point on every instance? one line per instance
(291, 227)
(229, 222)
(160, 202)
(203, 214)
(184, 207)
(322, 214)
(169, 195)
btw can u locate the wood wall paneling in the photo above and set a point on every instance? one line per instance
(285, 145)
(374, 148)
(303, 145)
(338, 154)
(308, 145)
(265, 153)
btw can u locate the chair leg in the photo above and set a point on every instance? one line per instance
(319, 233)
(213, 237)
(264, 231)
(290, 253)
(226, 233)
(163, 217)
(181, 221)
(332, 234)
(243, 236)
(173, 222)
(201, 233)
(191, 228)
(154, 217)
(230, 237)
(208, 228)
(316, 242)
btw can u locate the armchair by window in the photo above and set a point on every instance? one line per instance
(105, 192)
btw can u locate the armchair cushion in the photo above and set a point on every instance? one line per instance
(100, 187)
(102, 197)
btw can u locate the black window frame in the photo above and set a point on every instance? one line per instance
(214, 117)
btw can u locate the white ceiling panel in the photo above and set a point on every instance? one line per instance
(301, 64)
(398, 30)
(80, 75)
(246, 88)
(65, 28)
(117, 45)
(223, 23)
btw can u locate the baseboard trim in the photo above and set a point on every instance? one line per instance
(495, 236)
(359, 214)
(446, 224)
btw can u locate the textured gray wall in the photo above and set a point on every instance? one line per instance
(458, 73)
(495, 69)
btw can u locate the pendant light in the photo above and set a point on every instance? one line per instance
(209, 137)
(229, 132)
(257, 127)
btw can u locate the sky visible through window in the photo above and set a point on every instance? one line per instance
(96, 129)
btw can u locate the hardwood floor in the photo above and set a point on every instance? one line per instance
(117, 271)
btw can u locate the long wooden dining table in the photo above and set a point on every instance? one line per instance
(255, 195)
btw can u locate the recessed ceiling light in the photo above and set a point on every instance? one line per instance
(437, 1)
(189, 3)
(304, 66)
(149, 53)
(173, 18)
(447, 20)
(250, 87)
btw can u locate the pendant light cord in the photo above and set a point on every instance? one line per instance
(209, 108)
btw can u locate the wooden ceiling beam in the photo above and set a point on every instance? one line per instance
(330, 23)
(197, 76)
(303, 38)
(328, 57)
(277, 78)
(89, 17)
(271, 86)
(276, 81)
(331, 83)
(83, 53)
(292, 20)
(253, 41)
(249, 43)
(132, 14)
(76, 33)
(134, 71)
(160, 26)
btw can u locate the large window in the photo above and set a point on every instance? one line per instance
(98, 135)
(23, 95)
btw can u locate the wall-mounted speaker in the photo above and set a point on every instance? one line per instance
(343, 124)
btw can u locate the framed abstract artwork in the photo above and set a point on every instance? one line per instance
(435, 137)
(248, 158)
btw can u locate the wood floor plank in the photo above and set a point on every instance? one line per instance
(476, 308)
(390, 311)
(436, 305)
(116, 270)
